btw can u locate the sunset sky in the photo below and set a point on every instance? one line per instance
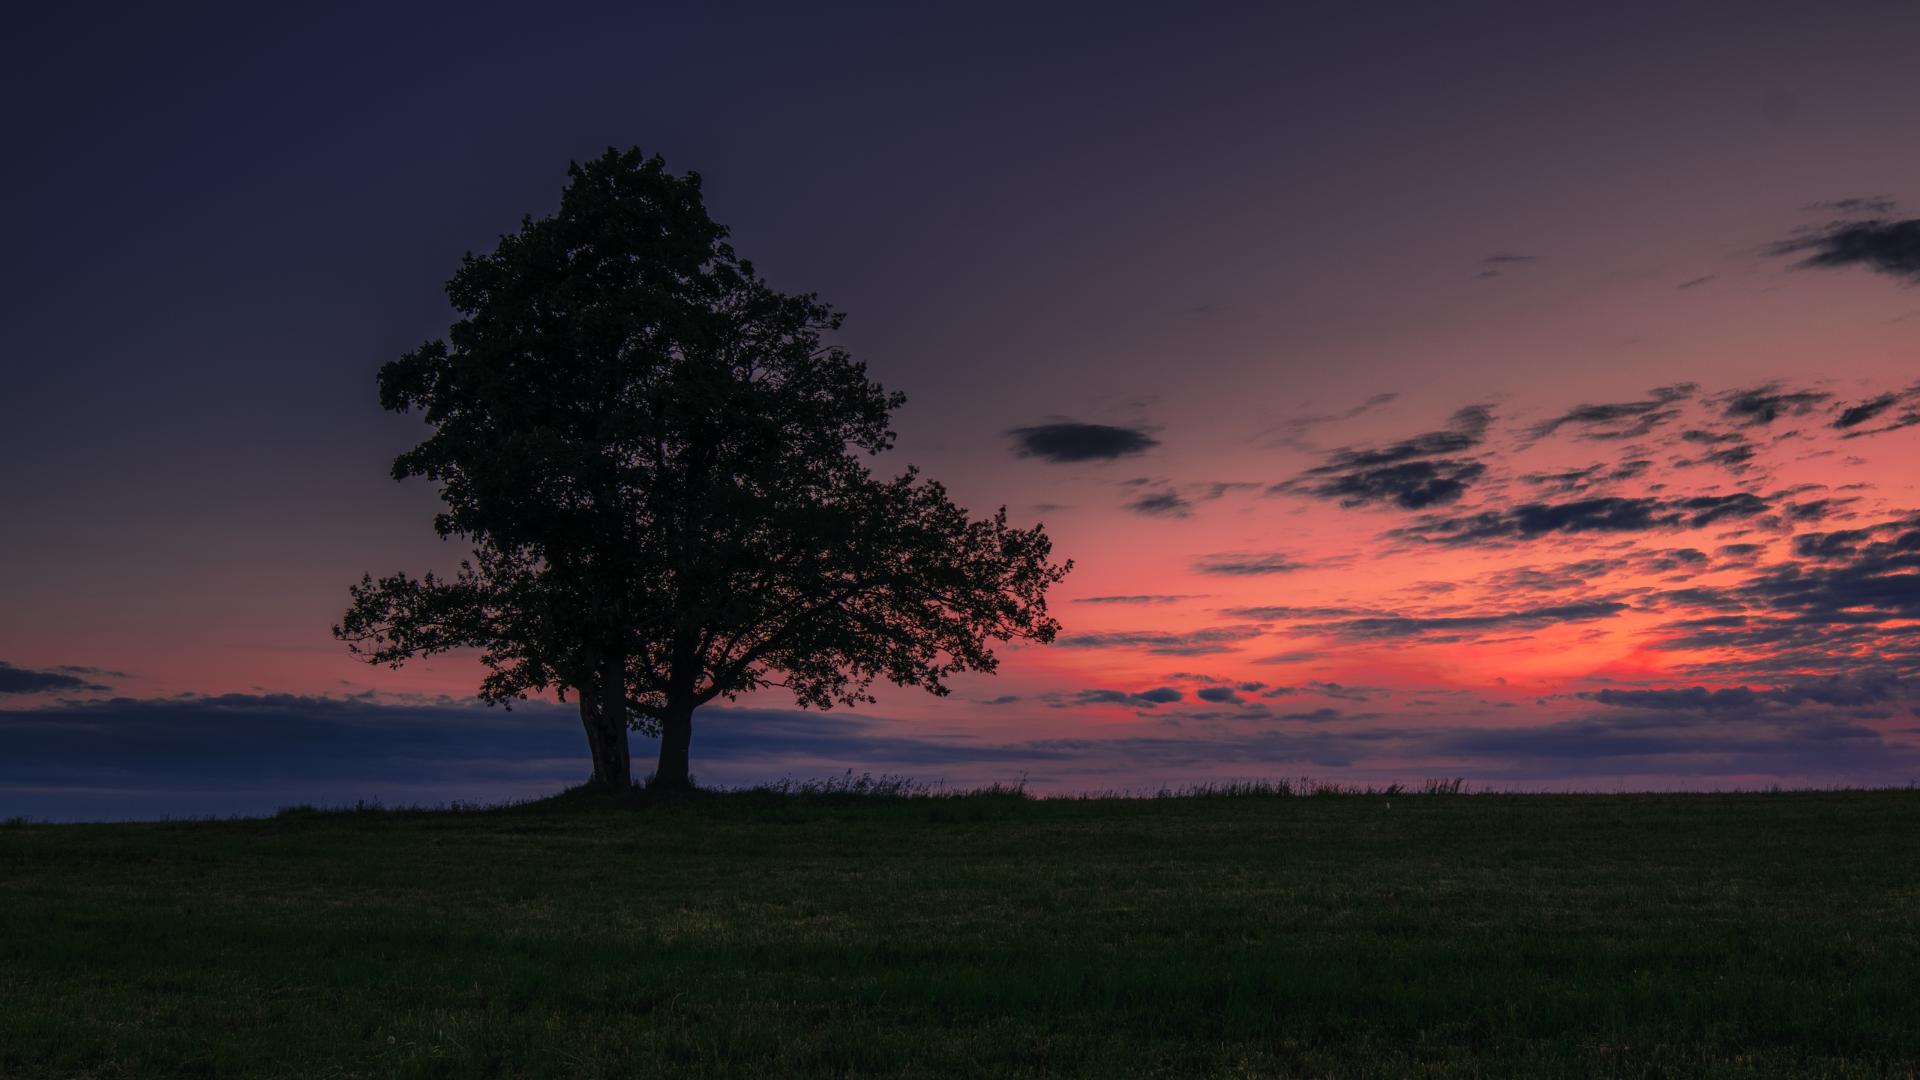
(1419, 390)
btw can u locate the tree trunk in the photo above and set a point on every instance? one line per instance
(604, 714)
(615, 766)
(676, 735)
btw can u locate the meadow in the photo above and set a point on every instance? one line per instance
(798, 933)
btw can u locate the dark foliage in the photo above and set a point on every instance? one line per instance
(663, 470)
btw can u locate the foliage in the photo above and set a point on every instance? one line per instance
(663, 469)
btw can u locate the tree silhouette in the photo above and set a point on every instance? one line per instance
(662, 471)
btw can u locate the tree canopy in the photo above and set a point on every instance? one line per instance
(663, 470)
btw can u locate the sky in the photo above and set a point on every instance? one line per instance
(1524, 395)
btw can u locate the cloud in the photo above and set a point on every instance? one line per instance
(1413, 485)
(1870, 204)
(1292, 433)
(1886, 247)
(1467, 429)
(17, 680)
(1276, 612)
(1217, 695)
(1454, 627)
(1853, 416)
(1313, 716)
(1162, 695)
(1137, 598)
(1610, 747)
(1762, 405)
(1620, 420)
(1203, 642)
(1842, 604)
(1161, 504)
(1694, 283)
(1336, 690)
(1246, 564)
(1501, 258)
(1863, 583)
(1068, 441)
(1835, 691)
(1607, 514)
(1414, 473)
(1865, 411)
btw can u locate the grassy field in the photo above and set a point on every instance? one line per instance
(767, 935)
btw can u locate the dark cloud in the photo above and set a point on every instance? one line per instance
(1322, 715)
(1217, 695)
(1870, 204)
(1069, 441)
(1296, 656)
(1413, 485)
(1203, 642)
(1246, 564)
(1827, 546)
(1608, 747)
(1727, 449)
(1139, 598)
(1414, 473)
(1762, 405)
(1873, 408)
(1570, 575)
(1161, 504)
(1694, 283)
(1865, 411)
(1842, 605)
(1466, 430)
(1453, 627)
(1275, 612)
(1858, 584)
(18, 680)
(1622, 419)
(1835, 691)
(1610, 514)
(1672, 560)
(1886, 247)
(1216, 489)
(1163, 695)
(1326, 689)
(1293, 432)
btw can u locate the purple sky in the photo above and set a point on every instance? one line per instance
(1466, 402)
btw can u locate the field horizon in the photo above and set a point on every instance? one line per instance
(849, 786)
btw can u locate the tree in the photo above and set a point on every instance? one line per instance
(663, 473)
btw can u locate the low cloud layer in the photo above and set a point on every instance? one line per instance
(251, 754)
(18, 680)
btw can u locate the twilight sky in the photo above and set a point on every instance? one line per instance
(1420, 390)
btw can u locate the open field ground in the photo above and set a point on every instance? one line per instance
(767, 935)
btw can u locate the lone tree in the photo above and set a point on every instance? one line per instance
(661, 470)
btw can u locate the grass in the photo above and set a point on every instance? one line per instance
(885, 931)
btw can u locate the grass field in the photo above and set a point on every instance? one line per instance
(769, 935)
